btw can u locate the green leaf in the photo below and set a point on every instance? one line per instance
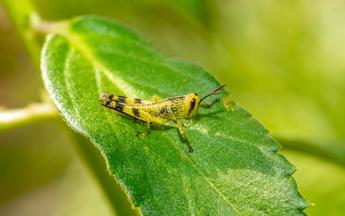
(234, 169)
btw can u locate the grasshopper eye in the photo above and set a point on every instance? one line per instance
(191, 106)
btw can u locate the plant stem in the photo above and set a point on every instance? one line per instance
(331, 151)
(18, 117)
(24, 16)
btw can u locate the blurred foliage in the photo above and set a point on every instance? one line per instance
(29, 159)
(16, 88)
(288, 56)
(282, 59)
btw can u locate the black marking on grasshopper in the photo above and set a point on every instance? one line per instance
(119, 107)
(137, 100)
(174, 109)
(136, 112)
(121, 99)
(192, 105)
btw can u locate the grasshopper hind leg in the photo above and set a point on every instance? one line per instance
(146, 131)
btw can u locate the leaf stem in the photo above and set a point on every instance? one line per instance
(24, 16)
(18, 117)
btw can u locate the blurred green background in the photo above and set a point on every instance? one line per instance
(283, 61)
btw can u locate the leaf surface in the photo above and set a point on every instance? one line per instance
(234, 169)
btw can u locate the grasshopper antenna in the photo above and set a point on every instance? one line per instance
(214, 91)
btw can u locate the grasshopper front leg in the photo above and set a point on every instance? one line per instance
(180, 127)
(183, 136)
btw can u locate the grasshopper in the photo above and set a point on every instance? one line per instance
(169, 111)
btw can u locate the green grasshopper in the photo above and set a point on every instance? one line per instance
(169, 112)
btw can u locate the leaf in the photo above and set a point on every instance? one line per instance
(234, 169)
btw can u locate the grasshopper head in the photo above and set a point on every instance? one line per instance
(192, 102)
